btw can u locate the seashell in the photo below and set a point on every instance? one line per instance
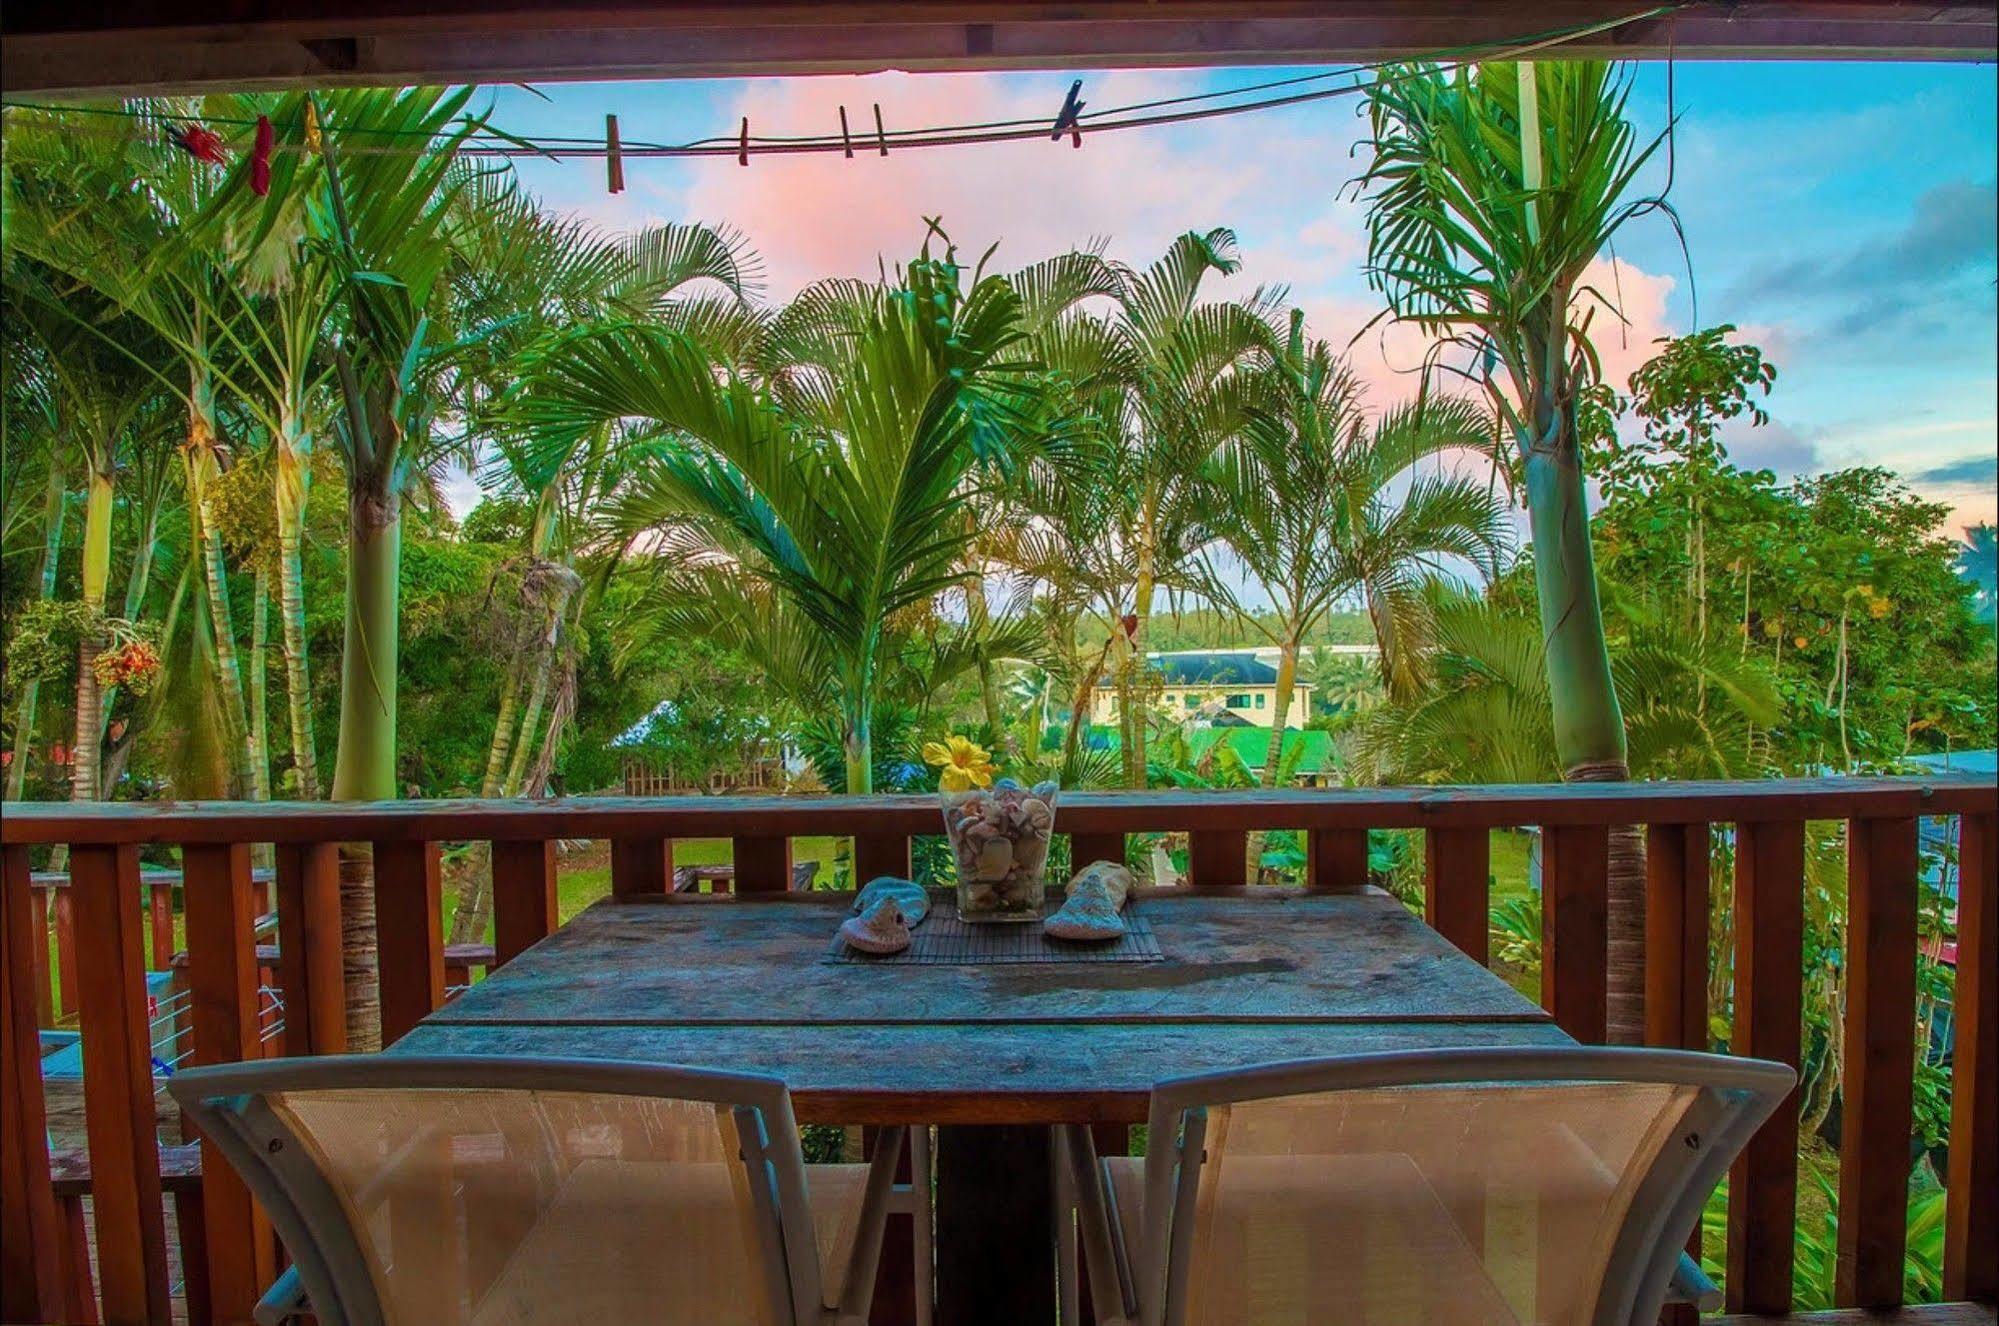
(1046, 791)
(907, 894)
(1110, 876)
(994, 814)
(879, 929)
(1035, 813)
(981, 897)
(1008, 785)
(994, 860)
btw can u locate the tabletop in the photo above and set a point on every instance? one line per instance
(748, 984)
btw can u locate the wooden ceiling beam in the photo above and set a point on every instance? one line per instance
(186, 45)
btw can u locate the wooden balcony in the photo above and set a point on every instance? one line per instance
(113, 915)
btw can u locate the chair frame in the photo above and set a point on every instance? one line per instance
(227, 1102)
(1735, 1097)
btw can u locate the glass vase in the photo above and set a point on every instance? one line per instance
(999, 839)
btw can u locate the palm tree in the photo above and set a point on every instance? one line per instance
(1303, 505)
(812, 515)
(1163, 377)
(1491, 190)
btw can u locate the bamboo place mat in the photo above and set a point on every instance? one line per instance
(945, 941)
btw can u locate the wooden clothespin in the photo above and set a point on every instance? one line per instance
(881, 138)
(1071, 113)
(743, 144)
(614, 163)
(846, 139)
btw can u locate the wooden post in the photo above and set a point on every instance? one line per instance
(1769, 949)
(409, 927)
(221, 907)
(876, 855)
(1880, 1054)
(308, 889)
(31, 1264)
(1971, 1227)
(66, 972)
(160, 910)
(1457, 875)
(524, 897)
(763, 864)
(641, 866)
(1676, 935)
(38, 926)
(118, 1081)
(1217, 858)
(1335, 860)
(1575, 937)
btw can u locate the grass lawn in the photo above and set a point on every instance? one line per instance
(584, 877)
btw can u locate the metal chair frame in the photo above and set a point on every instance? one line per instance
(228, 1102)
(1149, 1284)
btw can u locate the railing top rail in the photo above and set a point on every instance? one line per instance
(1494, 806)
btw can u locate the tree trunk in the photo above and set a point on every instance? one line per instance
(260, 727)
(364, 767)
(202, 468)
(860, 755)
(291, 484)
(544, 662)
(1134, 671)
(1079, 708)
(504, 724)
(87, 744)
(1287, 678)
(53, 511)
(1589, 726)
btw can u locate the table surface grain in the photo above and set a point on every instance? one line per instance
(745, 984)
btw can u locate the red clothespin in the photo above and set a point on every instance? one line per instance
(1071, 113)
(743, 144)
(260, 158)
(201, 144)
(845, 139)
(881, 138)
(614, 163)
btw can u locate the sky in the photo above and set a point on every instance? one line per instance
(1842, 215)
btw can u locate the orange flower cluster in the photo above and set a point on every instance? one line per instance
(132, 665)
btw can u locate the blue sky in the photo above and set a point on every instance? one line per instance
(1842, 214)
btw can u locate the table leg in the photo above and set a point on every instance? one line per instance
(995, 1250)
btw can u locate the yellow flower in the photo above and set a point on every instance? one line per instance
(964, 764)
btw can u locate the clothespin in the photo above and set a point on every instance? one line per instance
(614, 161)
(201, 144)
(845, 138)
(260, 158)
(1072, 110)
(880, 137)
(743, 144)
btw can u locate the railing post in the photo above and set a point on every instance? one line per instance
(221, 908)
(1880, 1054)
(1575, 934)
(1676, 936)
(1335, 860)
(763, 864)
(31, 1269)
(118, 1083)
(1769, 954)
(1457, 877)
(1217, 858)
(38, 926)
(409, 927)
(1971, 1229)
(876, 855)
(160, 912)
(66, 972)
(308, 889)
(641, 866)
(524, 897)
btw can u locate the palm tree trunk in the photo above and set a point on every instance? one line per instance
(292, 478)
(530, 721)
(858, 740)
(87, 746)
(1273, 756)
(1079, 708)
(1134, 672)
(503, 733)
(260, 726)
(364, 767)
(53, 511)
(1589, 726)
(201, 470)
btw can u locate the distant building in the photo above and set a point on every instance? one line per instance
(1233, 689)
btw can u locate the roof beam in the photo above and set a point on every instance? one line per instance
(122, 46)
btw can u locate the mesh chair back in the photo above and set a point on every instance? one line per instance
(509, 1205)
(1487, 1203)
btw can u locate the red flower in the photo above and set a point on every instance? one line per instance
(260, 158)
(201, 144)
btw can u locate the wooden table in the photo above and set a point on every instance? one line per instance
(993, 1052)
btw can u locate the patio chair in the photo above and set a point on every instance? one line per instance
(505, 1192)
(1483, 1187)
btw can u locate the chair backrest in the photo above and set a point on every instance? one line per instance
(1552, 1186)
(504, 1192)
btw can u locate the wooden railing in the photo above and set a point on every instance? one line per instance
(227, 1248)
